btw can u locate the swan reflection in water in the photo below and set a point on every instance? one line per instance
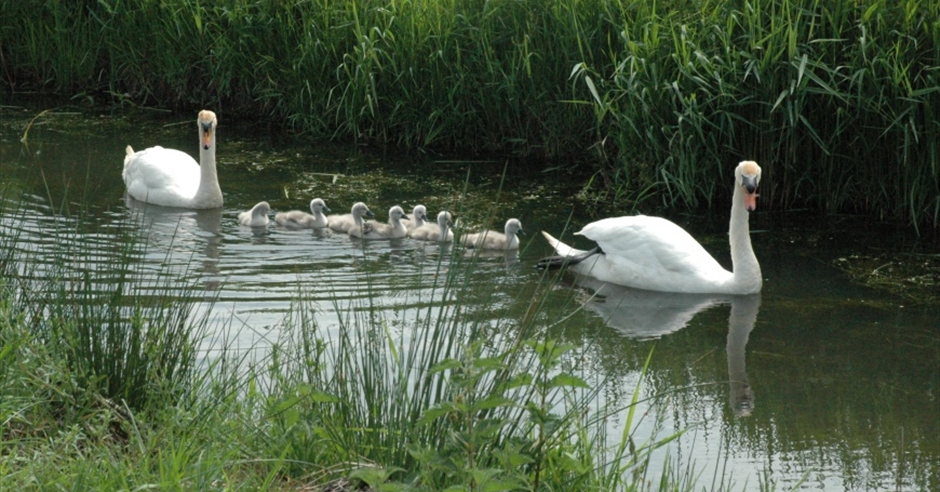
(644, 314)
(192, 232)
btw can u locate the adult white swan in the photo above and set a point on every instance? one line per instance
(655, 254)
(172, 178)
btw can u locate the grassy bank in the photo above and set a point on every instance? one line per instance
(839, 100)
(107, 384)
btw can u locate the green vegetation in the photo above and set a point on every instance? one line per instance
(838, 100)
(107, 384)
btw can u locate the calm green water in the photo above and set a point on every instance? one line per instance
(816, 379)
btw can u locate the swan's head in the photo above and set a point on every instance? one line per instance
(396, 213)
(361, 210)
(513, 227)
(444, 219)
(420, 212)
(317, 205)
(747, 177)
(261, 208)
(207, 123)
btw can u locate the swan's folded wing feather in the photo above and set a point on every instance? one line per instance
(161, 171)
(652, 244)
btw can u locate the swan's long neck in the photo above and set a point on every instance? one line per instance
(746, 270)
(209, 191)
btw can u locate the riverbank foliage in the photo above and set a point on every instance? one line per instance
(110, 379)
(838, 100)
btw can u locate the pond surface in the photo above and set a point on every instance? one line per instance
(816, 383)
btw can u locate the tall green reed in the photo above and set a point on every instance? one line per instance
(837, 99)
(450, 399)
(122, 335)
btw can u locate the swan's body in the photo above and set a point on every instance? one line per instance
(655, 254)
(506, 240)
(302, 220)
(172, 178)
(439, 232)
(256, 217)
(419, 218)
(374, 230)
(345, 222)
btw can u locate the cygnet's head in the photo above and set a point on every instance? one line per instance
(317, 205)
(420, 212)
(361, 210)
(444, 219)
(514, 227)
(396, 213)
(260, 208)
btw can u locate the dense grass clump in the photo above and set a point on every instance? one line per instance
(837, 99)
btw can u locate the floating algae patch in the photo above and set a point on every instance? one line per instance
(913, 276)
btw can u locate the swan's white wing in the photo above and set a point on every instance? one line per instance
(161, 176)
(658, 253)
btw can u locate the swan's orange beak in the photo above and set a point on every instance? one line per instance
(750, 201)
(207, 138)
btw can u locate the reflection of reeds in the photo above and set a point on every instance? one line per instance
(838, 100)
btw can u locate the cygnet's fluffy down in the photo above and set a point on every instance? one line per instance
(302, 220)
(419, 217)
(374, 230)
(256, 217)
(439, 232)
(495, 240)
(345, 222)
